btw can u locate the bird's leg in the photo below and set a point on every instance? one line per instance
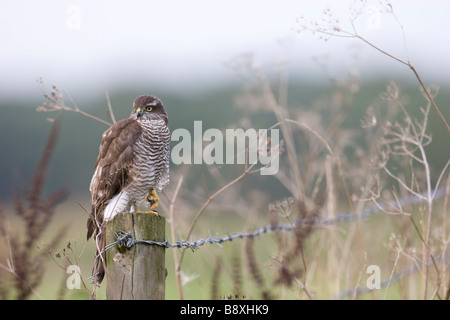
(153, 199)
(151, 211)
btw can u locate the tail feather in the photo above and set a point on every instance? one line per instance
(101, 212)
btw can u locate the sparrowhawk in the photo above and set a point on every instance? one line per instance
(133, 162)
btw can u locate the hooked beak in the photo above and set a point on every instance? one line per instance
(139, 112)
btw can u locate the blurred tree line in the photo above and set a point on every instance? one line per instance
(23, 130)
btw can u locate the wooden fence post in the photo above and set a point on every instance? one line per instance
(136, 273)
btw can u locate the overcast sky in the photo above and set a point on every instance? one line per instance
(98, 45)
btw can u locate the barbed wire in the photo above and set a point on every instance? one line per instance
(125, 238)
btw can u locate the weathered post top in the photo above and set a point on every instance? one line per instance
(136, 273)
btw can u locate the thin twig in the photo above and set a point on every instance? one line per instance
(110, 111)
(13, 272)
(341, 174)
(304, 288)
(335, 31)
(210, 199)
(173, 235)
(56, 98)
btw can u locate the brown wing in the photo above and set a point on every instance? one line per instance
(111, 169)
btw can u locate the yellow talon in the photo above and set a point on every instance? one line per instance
(153, 199)
(148, 212)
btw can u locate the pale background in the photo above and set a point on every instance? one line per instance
(93, 46)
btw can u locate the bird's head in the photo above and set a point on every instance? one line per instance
(148, 107)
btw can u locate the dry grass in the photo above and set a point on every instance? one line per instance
(24, 267)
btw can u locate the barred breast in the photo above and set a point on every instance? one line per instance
(150, 169)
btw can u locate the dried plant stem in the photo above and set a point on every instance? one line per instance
(397, 257)
(13, 272)
(304, 288)
(424, 281)
(341, 174)
(173, 236)
(416, 74)
(26, 266)
(297, 187)
(446, 288)
(337, 31)
(210, 199)
(426, 243)
(81, 112)
(56, 98)
(110, 111)
(405, 62)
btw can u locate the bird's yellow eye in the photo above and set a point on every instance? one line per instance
(148, 108)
